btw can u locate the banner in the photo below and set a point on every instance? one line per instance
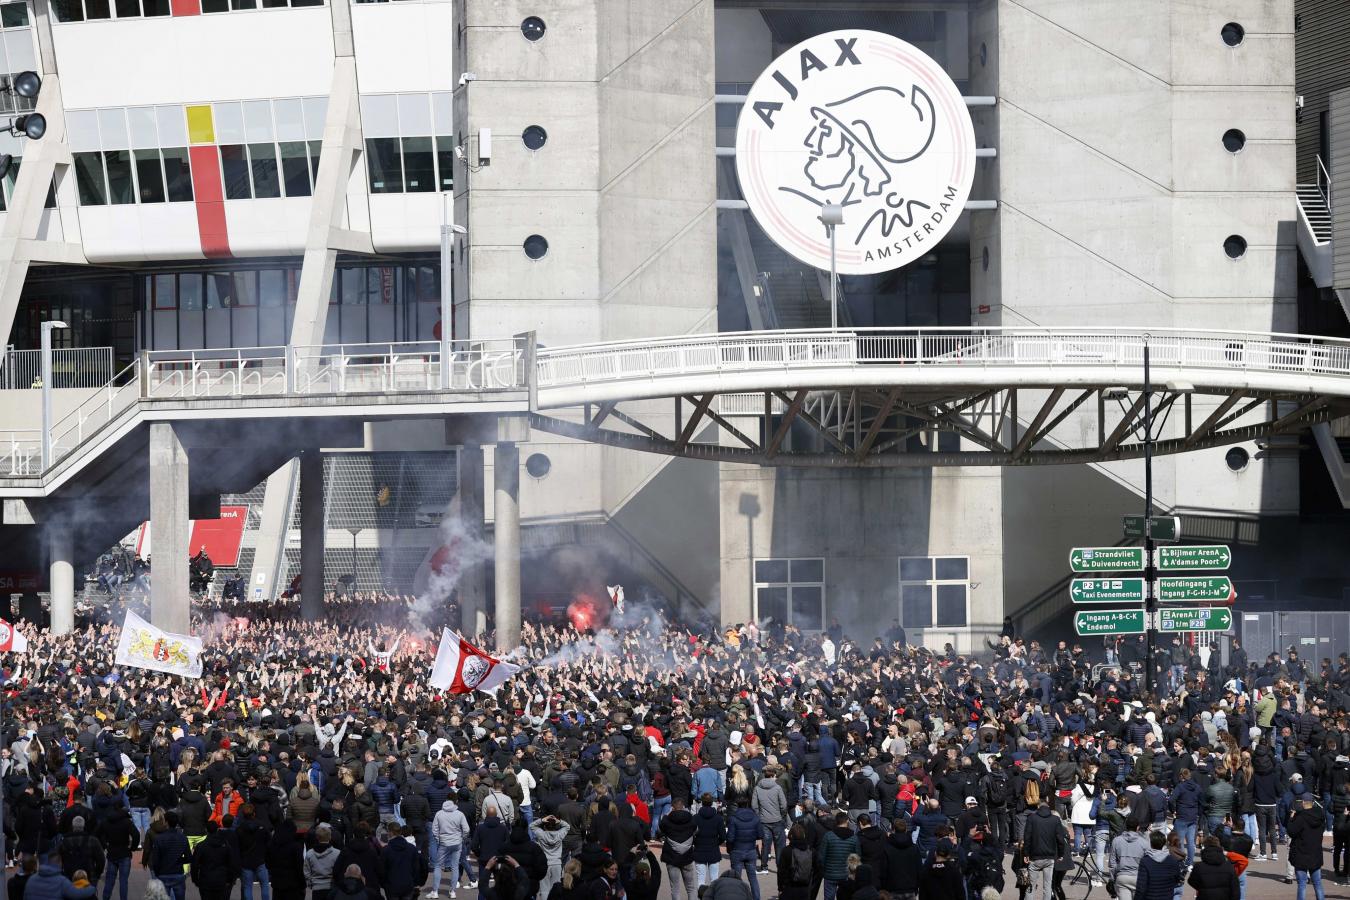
(12, 640)
(461, 668)
(146, 647)
(221, 537)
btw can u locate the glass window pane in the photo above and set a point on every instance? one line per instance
(229, 123)
(807, 612)
(243, 4)
(213, 6)
(295, 168)
(772, 603)
(156, 7)
(128, 9)
(118, 163)
(82, 130)
(89, 179)
(112, 126)
(353, 287)
(316, 109)
(165, 297)
(266, 182)
(445, 162)
(314, 149)
(272, 287)
(808, 570)
(379, 115)
(258, 120)
(306, 2)
(14, 15)
(149, 176)
(414, 114)
(190, 290)
(273, 4)
(234, 169)
(68, 10)
(219, 291)
(443, 112)
(419, 175)
(141, 124)
(172, 124)
(290, 115)
(916, 569)
(178, 174)
(916, 606)
(951, 605)
(771, 571)
(245, 288)
(952, 568)
(386, 172)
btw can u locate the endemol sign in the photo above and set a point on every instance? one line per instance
(864, 120)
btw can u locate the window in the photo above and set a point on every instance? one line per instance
(419, 172)
(791, 591)
(295, 168)
(234, 170)
(118, 164)
(190, 290)
(178, 174)
(149, 176)
(89, 179)
(386, 171)
(263, 160)
(445, 161)
(934, 591)
(13, 15)
(165, 296)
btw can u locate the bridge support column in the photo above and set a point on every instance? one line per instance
(61, 579)
(506, 528)
(169, 603)
(313, 532)
(473, 584)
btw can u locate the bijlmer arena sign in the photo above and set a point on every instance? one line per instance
(867, 121)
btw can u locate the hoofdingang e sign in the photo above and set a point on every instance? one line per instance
(865, 120)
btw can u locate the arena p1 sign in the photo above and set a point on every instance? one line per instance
(867, 121)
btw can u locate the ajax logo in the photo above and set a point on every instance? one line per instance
(864, 120)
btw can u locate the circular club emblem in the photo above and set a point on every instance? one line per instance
(864, 120)
(474, 671)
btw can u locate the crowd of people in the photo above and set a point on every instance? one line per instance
(313, 759)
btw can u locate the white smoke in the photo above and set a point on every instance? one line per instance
(465, 550)
(640, 620)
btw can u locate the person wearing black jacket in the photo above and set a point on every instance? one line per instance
(941, 878)
(402, 869)
(169, 856)
(81, 850)
(254, 834)
(286, 863)
(361, 852)
(796, 867)
(1305, 846)
(677, 850)
(904, 863)
(215, 865)
(859, 796)
(1213, 876)
(120, 840)
(1043, 841)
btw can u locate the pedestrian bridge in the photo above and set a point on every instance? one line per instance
(854, 397)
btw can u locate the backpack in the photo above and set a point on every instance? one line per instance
(998, 790)
(799, 861)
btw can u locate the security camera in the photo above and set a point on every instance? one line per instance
(1116, 393)
(459, 152)
(466, 77)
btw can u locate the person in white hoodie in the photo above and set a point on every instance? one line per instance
(449, 832)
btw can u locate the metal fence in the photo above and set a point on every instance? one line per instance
(78, 367)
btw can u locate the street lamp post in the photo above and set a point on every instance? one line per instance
(354, 533)
(46, 355)
(448, 231)
(1150, 571)
(832, 215)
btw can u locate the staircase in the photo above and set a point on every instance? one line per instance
(794, 288)
(1314, 226)
(1314, 207)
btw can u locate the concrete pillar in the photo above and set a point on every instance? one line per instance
(61, 579)
(30, 608)
(473, 584)
(506, 540)
(313, 531)
(169, 603)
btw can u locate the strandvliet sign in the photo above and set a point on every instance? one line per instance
(869, 122)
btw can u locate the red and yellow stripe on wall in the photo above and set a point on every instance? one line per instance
(207, 185)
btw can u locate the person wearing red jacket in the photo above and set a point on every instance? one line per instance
(227, 802)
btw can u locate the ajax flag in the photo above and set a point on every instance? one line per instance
(461, 668)
(146, 647)
(12, 640)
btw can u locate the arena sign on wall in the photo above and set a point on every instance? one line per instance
(865, 120)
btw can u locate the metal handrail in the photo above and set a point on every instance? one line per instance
(1323, 181)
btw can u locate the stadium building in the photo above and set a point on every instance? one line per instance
(1153, 164)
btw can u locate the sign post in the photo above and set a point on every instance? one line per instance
(1106, 559)
(1207, 558)
(1107, 590)
(1198, 618)
(1107, 622)
(1201, 588)
(1160, 528)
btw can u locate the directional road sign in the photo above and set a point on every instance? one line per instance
(1197, 618)
(1090, 622)
(1160, 528)
(1208, 557)
(1106, 559)
(1107, 590)
(1200, 588)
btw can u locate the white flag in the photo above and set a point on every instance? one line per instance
(461, 668)
(12, 640)
(146, 647)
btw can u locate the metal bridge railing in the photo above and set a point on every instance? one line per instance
(76, 367)
(1108, 348)
(326, 370)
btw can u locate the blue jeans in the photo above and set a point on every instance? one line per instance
(259, 875)
(444, 858)
(140, 817)
(660, 806)
(744, 861)
(707, 873)
(1242, 886)
(1249, 826)
(831, 888)
(1186, 830)
(811, 791)
(1082, 837)
(176, 885)
(120, 870)
(1315, 877)
(528, 812)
